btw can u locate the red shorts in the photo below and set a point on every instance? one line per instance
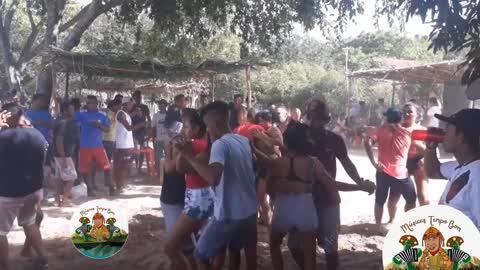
(88, 156)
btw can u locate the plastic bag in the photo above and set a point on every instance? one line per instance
(66, 174)
(79, 191)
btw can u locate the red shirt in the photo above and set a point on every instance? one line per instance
(195, 181)
(247, 130)
(393, 145)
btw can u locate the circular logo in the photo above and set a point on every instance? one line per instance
(99, 230)
(432, 237)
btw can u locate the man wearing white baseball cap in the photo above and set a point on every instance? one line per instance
(462, 139)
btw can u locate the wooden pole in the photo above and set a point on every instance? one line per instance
(249, 89)
(212, 92)
(393, 94)
(67, 79)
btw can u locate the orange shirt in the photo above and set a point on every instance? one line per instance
(393, 145)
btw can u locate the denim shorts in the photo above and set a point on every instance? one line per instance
(327, 233)
(386, 182)
(159, 150)
(220, 234)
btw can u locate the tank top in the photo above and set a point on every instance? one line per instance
(195, 181)
(123, 137)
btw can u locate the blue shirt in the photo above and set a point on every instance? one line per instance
(235, 195)
(39, 115)
(90, 136)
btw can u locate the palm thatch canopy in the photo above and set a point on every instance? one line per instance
(441, 72)
(130, 67)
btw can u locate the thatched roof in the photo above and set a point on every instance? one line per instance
(130, 67)
(441, 72)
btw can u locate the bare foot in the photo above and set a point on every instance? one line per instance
(67, 203)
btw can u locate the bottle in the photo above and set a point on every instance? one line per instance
(431, 135)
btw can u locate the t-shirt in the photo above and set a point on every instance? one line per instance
(247, 130)
(158, 122)
(432, 121)
(195, 180)
(463, 188)
(90, 136)
(43, 116)
(139, 134)
(393, 145)
(327, 147)
(110, 136)
(235, 195)
(70, 130)
(173, 189)
(22, 155)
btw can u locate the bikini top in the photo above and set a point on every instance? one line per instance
(292, 176)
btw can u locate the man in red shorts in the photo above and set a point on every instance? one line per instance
(93, 125)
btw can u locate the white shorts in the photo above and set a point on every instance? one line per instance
(22, 208)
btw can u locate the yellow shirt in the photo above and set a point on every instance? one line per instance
(110, 136)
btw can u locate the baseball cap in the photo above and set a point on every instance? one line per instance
(465, 119)
(393, 115)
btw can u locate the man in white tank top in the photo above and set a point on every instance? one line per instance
(123, 144)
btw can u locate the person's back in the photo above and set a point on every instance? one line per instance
(393, 145)
(236, 193)
(22, 151)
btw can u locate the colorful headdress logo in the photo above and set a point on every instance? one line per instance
(101, 236)
(403, 250)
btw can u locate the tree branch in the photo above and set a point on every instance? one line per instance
(27, 48)
(95, 9)
(74, 20)
(9, 16)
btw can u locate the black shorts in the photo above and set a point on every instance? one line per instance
(413, 164)
(386, 183)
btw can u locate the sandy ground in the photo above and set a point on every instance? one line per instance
(360, 244)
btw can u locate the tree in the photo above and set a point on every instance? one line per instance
(456, 27)
(262, 24)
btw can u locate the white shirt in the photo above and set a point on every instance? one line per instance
(463, 189)
(158, 122)
(432, 121)
(123, 137)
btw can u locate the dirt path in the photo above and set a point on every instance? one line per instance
(360, 243)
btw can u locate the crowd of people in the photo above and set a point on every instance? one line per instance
(224, 167)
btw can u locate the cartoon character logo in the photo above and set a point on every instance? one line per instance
(99, 238)
(433, 256)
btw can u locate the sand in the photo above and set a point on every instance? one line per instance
(360, 243)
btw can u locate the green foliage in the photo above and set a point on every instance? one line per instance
(224, 46)
(456, 26)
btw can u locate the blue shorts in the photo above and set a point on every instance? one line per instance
(220, 234)
(199, 203)
(386, 182)
(294, 213)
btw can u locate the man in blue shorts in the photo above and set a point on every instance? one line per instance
(230, 172)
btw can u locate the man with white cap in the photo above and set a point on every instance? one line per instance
(462, 139)
(123, 143)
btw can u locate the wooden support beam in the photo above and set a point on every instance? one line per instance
(249, 90)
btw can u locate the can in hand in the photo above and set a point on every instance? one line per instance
(431, 135)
